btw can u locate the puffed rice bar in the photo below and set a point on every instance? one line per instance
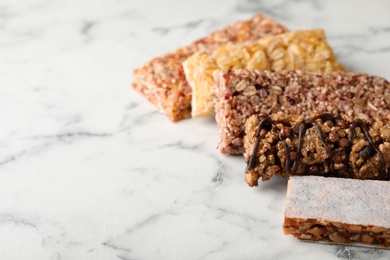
(338, 211)
(162, 80)
(324, 145)
(242, 93)
(305, 50)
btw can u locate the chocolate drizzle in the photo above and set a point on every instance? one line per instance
(292, 164)
(383, 175)
(265, 121)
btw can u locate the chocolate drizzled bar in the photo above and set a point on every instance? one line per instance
(315, 211)
(323, 145)
(242, 93)
(162, 80)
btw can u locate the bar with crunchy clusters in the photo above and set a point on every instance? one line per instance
(242, 93)
(285, 145)
(338, 211)
(162, 80)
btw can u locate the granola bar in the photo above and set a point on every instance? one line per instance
(162, 80)
(324, 145)
(306, 50)
(242, 93)
(338, 211)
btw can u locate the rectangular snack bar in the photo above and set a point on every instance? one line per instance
(162, 80)
(285, 145)
(338, 211)
(242, 93)
(305, 50)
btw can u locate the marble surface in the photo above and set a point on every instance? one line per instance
(90, 170)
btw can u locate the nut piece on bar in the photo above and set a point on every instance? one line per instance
(242, 93)
(324, 145)
(338, 211)
(305, 50)
(162, 80)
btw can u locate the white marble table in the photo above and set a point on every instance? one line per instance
(90, 170)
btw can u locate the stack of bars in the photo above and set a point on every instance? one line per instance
(283, 101)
